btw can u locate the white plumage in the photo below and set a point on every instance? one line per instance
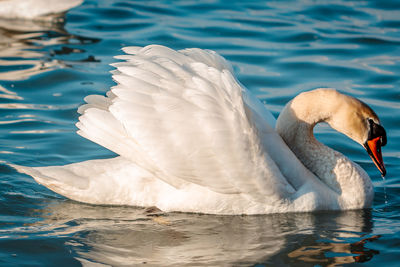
(190, 138)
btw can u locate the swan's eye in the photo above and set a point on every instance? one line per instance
(376, 130)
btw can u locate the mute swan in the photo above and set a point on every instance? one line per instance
(190, 138)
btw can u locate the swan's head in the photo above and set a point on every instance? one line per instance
(343, 113)
(358, 121)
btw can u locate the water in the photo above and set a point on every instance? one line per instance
(278, 49)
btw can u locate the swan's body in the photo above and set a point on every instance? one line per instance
(34, 9)
(192, 139)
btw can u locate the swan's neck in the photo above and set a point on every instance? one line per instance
(297, 132)
(295, 125)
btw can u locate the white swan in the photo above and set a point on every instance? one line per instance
(192, 139)
(34, 9)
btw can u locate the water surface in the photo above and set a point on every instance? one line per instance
(277, 48)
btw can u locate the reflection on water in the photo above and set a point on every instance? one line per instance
(23, 47)
(9, 94)
(122, 236)
(20, 48)
(319, 253)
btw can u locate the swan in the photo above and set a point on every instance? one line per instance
(35, 9)
(191, 138)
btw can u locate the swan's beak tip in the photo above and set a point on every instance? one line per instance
(383, 172)
(373, 148)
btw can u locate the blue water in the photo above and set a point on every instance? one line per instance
(278, 49)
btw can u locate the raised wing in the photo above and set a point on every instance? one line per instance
(181, 116)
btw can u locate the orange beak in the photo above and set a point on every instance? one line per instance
(373, 148)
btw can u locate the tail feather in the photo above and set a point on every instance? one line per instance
(88, 181)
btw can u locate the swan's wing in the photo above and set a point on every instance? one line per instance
(181, 116)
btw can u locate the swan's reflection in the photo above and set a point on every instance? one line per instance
(350, 252)
(119, 236)
(342, 241)
(23, 47)
(21, 51)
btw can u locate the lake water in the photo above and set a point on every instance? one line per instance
(278, 49)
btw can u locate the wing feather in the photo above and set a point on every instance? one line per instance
(181, 115)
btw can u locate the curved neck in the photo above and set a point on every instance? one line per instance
(296, 129)
(295, 125)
